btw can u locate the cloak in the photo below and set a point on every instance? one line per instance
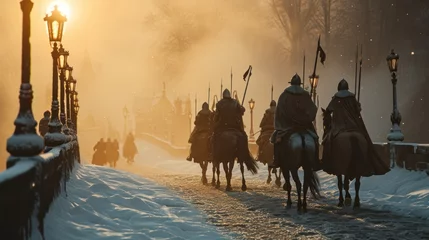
(295, 111)
(202, 124)
(267, 126)
(347, 118)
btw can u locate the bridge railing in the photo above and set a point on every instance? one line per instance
(411, 156)
(29, 185)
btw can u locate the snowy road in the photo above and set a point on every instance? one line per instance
(259, 212)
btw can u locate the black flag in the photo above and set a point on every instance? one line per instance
(248, 72)
(322, 54)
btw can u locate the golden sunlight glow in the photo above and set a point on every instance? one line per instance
(63, 7)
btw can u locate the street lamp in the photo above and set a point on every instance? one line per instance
(251, 106)
(62, 65)
(25, 141)
(55, 25)
(69, 81)
(76, 110)
(395, 134)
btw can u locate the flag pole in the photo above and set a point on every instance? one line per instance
(247, 74)
(315, 65)
(303, 71)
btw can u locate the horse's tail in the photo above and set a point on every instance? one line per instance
(310, 176)
(251, 164)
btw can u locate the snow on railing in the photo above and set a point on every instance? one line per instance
(30, 185)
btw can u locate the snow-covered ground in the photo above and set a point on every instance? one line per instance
(400, 191)
(104, 203)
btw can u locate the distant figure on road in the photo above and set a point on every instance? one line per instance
(43, 123)
(130, 148)
(99, 157)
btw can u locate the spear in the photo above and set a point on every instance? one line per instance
(303, 71)
(195, 105)
(360, 73)
(247, 74)
(231, 79)
(221, 87)
(272, 90)
(356, 66)
(208, 96)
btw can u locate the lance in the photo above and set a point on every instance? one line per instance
(272, 90)
(356, 66)
(247, 74)
(315, 64)
(303, 71)
(360, 73)
(208, 96)
(195, 105)
(221, 87)
(231, 79)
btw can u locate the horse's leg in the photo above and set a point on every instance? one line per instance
(203, 166)
(356, 205)
(287, 187)
(228, 179)
(269, 175)
(214, 174)
(218, 173)
(206, 164)
(340, 191)
(348, 201)
(307, 175)
(278, 178)
(243, 180)
(298, 187)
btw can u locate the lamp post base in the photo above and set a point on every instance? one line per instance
(56, 139)
(395, 134)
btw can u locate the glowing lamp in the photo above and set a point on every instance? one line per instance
(62, 59)
(69, 71)
(55, 24)
(392, 61)
(251, 104)
(314, 81)
(76, 106)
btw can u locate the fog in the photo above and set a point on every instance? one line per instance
(122, 50)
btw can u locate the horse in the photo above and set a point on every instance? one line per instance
(226, 149)
(200, 149)
(129, 150)
(266, 156)
(99, 158)
(350, 150)
(298, 150)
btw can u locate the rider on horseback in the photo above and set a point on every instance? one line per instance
(347, 118)
(229, 116)
(267, 128)
(295, 112)
(202, 126)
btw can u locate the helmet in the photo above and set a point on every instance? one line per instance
(343, 85)
(205, 106)
(273, 103)
(226, 93)
(47, 113)
(296, 80)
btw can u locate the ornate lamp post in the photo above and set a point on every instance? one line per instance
(25, 141)
(251, 106)
(395, 134)
(125, 112)
(62, 65)
(73, 96)
(76, 111)
(69, 81)
(55, 24)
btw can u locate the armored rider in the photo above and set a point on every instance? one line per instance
(295, 112)
(267, 127)
(346, 117)
(202, 126)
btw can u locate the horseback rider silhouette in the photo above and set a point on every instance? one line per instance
(202, 126)
(346, 117)
(295, 112)
(267, 128)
